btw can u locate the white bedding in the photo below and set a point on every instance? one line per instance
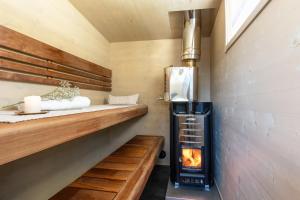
(11, 117)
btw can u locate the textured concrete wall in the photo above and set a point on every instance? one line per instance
(204, 71)
(255, 90)
(57, 23)
(138, 67)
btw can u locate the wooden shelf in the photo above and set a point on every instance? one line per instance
(25, 138)
(121, 176)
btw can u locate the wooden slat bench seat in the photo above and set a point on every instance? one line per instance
(120, 176)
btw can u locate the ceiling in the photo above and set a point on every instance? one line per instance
(133, 20)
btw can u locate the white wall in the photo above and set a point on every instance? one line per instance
(255, 91)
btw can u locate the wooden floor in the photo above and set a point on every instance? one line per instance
(122, 175)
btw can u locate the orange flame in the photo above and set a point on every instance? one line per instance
(191, 158)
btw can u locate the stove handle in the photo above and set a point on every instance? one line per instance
(191, 119)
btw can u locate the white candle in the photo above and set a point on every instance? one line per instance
(32, 104)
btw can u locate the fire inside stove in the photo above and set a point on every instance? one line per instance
(191, 158)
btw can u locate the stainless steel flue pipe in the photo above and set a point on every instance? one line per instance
(191, 43)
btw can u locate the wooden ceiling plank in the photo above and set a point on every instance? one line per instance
(136, 20)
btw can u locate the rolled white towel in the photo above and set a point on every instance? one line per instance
(66, 104)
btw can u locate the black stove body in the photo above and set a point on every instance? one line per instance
(191, 144)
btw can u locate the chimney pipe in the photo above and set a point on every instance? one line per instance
(191, 43)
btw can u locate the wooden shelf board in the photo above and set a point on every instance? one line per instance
(25, 138)
(106, 180)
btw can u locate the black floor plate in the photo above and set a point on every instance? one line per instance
(157, 184)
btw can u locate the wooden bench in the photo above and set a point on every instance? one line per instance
(120, 176)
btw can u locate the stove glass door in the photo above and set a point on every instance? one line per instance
(191, 158)
(191, 141)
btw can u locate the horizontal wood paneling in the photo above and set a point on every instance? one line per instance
(13, 76)
(24, 68)
(11, 55)
(25, 55)
(18, 77)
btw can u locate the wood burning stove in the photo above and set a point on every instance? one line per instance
(191, 144)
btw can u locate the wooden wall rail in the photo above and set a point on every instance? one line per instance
(25, 59)
(25, 138)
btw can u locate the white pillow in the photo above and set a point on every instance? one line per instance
(132, 99)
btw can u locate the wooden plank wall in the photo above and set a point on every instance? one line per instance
(25, 59)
